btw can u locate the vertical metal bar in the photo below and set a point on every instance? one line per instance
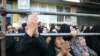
(3, 27)
(3, 48)
(3, 17)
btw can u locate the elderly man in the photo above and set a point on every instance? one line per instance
(32, 44)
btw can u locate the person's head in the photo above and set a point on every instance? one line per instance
(45, 30)
(57, 27)
(73, 28)
(96, 29)
(52, 29)
(61, 44)
(65, 29)
(24, 25)
(82, 41)
(40, 24)
(87, 30)
(73, 31)
(10, 29)
(59, 41)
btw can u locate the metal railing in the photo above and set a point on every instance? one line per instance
(51, 13)
(2, 35)
(55, 34)
(4, 12)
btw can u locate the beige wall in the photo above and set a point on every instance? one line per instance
(15, 19)
(73, 18)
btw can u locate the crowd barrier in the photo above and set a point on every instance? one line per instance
(4, 12)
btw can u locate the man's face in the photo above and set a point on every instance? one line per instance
(10, 28)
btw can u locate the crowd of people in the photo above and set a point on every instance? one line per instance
(33, 44)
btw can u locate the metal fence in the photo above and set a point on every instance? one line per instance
(3, 12)
(55, 34)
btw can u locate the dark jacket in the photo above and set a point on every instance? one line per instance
(31, 46)
(10, 46)
(22, 30)
(40, 29)
(93, 42)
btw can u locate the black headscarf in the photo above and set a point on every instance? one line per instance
(65, 29)
(87, 30)
(94, 41)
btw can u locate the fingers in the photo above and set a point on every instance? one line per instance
(33, 18)
(32, 24)
(85, 54)
(65, 47)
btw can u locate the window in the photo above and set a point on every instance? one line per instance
(59, 8)
(67, 19)
(63, 9)
(63, 18)
(66, 9)
(60, 18)
(42, 7)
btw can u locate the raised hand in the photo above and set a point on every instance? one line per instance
(85, 53)
(65, 48)
(32, 24)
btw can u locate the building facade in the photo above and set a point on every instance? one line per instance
(47, 20)
(54, 6)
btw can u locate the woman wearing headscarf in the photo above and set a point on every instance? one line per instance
(55, 51)
(60, 47)
(78, 45)
(65, 29)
